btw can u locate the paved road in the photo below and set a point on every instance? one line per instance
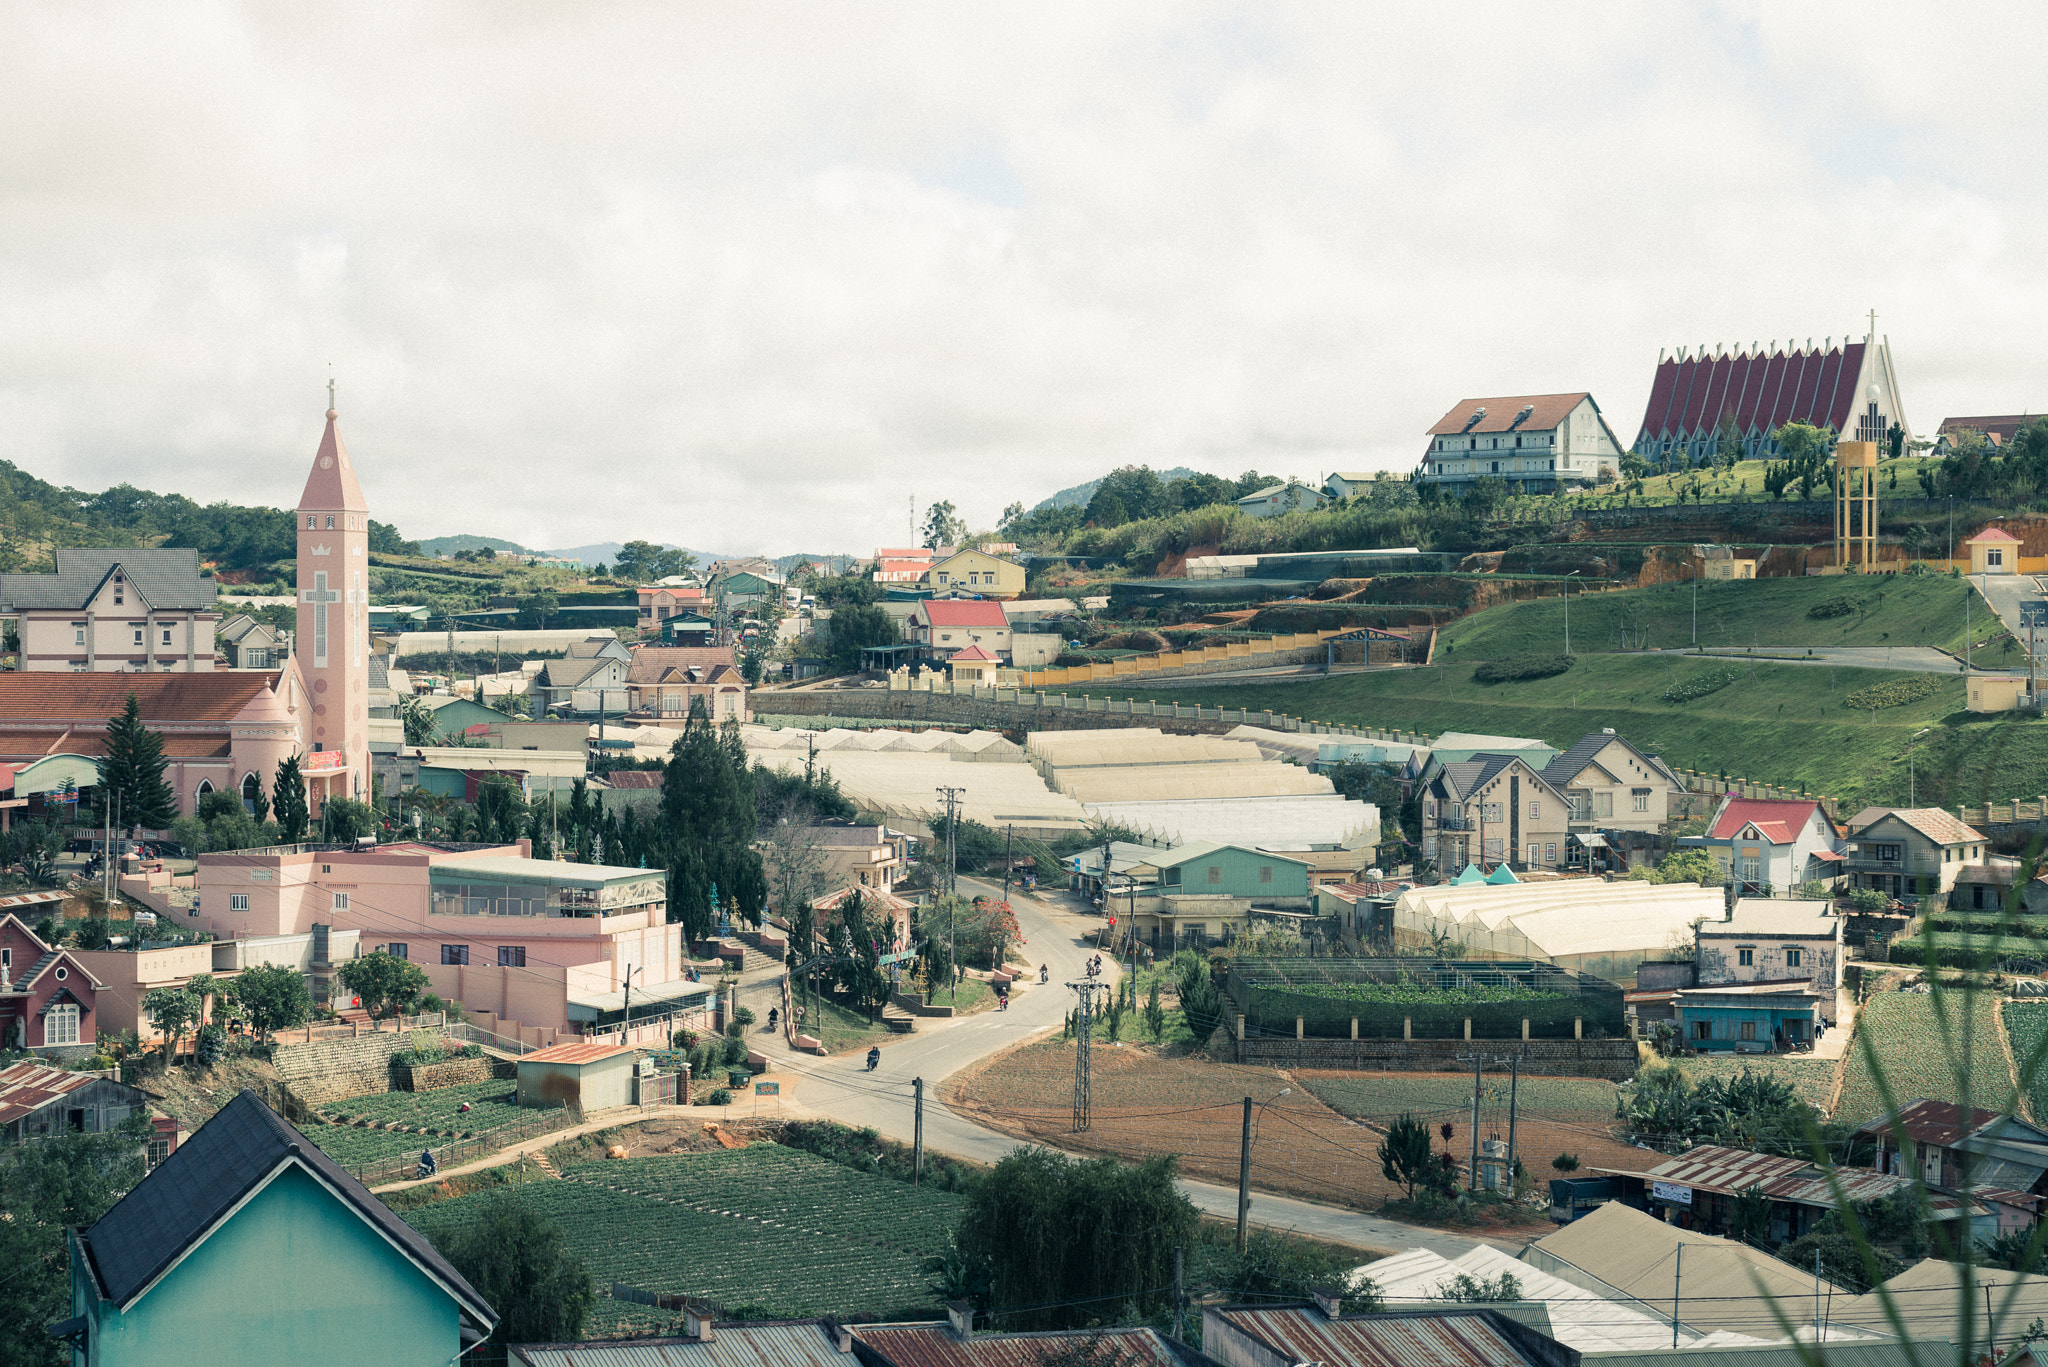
(840, 1088)
(2012, 597)
(1912, 659)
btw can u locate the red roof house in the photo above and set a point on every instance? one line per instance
(47, 996)
(1778, 843)
(945, 626)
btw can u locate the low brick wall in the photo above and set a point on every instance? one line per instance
(1613, 1059)
(329, 1070)
(914, 1003)
(455, 1072)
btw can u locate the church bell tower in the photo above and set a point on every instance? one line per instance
(334, 620)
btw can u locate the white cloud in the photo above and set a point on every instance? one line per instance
(750, 277)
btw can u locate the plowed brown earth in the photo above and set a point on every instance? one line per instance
(1143, 1104)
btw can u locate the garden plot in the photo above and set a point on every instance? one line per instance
(1812, 1080)
(440, 1112)
(1921, 1060)
(803, 1236)
(2026, 1025)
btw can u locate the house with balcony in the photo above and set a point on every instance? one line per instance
(1610, 785)
(977, 571)
(945, 626)
(665, 681)
(676, 596)
(1910, 851)
(1493, 809)
(590, 678)
(547, 948)
(1764, 844)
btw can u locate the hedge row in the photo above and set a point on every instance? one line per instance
(1701, 686)
(1897, 693)
(1522, 667)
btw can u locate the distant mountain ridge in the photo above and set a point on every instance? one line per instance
(1078, 496)
(448, 545)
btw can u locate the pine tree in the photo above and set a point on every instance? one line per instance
(708, 826)
(288, 801)
(132, 771)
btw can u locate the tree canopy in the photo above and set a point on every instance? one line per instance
(68, 1180)
(386, 984)
(132, 771)
(520, 1264)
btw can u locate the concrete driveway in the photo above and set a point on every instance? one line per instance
(1056, 933)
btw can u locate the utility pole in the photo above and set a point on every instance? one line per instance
(1084, 1027)
(1514, 1082)
(1677, 1273)
(1244, 1176)
(1695, 606)
(626, 1024)
(1179, 1297)
(1008, 833)
(1472, 1173)
(1568, 613)
(917, 1149)
(952, 800)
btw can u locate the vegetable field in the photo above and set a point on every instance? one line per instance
(1919, 1060)
(762, 1226)
(490, 1104)
(2027, 1027)
(1380, 1097)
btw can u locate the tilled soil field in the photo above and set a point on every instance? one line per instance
(1144, 1104)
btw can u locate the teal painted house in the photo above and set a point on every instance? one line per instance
(1747, 1018)
(1209, 869)
(249, 1245)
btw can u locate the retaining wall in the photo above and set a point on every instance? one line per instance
(330, 1070)
(457, 1072)
(1613, 1059)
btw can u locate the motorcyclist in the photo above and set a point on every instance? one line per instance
(1045, 973)
(874, 1058)
(772, 1015)
(427, 1166)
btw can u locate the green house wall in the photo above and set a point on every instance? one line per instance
(294, 1276)
(1240, 874)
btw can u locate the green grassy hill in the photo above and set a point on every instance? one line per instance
(1772, 723)
(1886, 610)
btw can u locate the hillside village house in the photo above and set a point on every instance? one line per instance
(1764, 844)
(945, 625)
(1276, 499)
(590, 678)
(169, 1274)
(1611, 785)
(1988, 886)
(37, 1100)
(245, 643)
(146, 611)
(544, 946)
(676, 596)
(48, 997)
(844, 856)
(1538, 443)
(1774, 940)
(1205, 892)
(904, 564)
(977, 572)
(1493, 809)
(663, 681)
(1345, 483)
(128, 974)
(1945, 1146)
(1994, 551)
(1910, 851)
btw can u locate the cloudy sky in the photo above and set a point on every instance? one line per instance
(753, 277)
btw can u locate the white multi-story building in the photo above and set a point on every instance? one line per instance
(1539, 443)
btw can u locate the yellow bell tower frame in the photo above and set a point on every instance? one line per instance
(1856, 486)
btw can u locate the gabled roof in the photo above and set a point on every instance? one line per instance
(636, 778)
(973, 654)
(1462, 778)
(570, 672)
(1992, 535)
(167, 579)
(962, 612)
(1568, 765)
(1505, 414)
(652, 663)
(1201, 849)
(1932, 822)
(1760, 392)
(1787, 816)
(90, 699)
(207, 1178)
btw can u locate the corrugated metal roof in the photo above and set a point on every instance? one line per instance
(27, 1087)
(935, 1345)
(793, 1343)
(1868, 1353)
(576, 1051)
(1389, 1340)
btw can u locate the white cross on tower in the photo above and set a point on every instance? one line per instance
(320, 595)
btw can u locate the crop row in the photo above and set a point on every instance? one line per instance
(1962, 1063)
(2026, 1025)
(662, 1247)
(491, 1103)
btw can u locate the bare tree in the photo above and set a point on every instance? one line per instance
(794, 858)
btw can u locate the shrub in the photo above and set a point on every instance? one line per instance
(1896, 693)
(1699, 686)
(1522, 667)
(721, 1097)
(1838, 606)
(735, 1052)
(743, 1015)
(1866, 900)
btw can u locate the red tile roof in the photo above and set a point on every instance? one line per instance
(1783, 818)
(93, 698)
(1761, 392)
(1548, 411)
(2004, 427)
(962, 612)
(636, 778)
(651, 663)
(1993, 535)
(972, 654)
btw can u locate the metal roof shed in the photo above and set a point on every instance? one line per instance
(583, 1074)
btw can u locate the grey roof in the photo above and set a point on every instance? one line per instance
(167, 579)
(1567, 765)
(207, 1176)
(784, 1343)
(568, 673)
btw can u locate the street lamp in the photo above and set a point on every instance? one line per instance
(1568, 613)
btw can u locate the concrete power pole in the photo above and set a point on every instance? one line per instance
(1084, 1027)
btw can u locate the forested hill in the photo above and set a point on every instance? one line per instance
(37, 516)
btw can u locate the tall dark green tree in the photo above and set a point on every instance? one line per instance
(521, 1265)
(288, 801)
(1076, 1240)
(132, 771)
(708, 826)
(45, 1186)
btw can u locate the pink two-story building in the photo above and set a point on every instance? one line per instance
(548, 949)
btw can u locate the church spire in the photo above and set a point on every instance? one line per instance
(331, 486)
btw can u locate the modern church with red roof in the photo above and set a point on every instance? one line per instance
(1850, 387)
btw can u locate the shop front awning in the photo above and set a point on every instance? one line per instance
(681, 995)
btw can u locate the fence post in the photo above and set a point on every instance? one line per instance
(1407, 1027)
(1468, 1027)
(1297, 1027)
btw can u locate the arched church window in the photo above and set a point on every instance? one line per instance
(252, 788)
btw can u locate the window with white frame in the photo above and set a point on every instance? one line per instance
(1641, 798)
(61, 1025)
(238, 901)
(341, 901)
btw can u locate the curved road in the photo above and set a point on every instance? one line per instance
(840, 1088)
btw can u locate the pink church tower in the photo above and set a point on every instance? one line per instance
(334, 621)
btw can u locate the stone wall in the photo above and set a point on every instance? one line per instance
(329, 1070)
(1612, 1059)
(455, 1072)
